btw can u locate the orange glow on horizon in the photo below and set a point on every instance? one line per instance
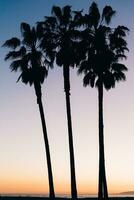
(40, 188)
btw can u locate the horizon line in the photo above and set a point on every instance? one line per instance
(58, 194)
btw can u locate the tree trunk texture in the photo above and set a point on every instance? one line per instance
(50, 175)
(102, 187)
(70, 134)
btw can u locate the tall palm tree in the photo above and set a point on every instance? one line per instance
(62, 38)
(29, 59)
(104, 48)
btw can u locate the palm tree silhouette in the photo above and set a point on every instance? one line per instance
(104, 48)
(60, 29)
(64, 57)
(29, 59)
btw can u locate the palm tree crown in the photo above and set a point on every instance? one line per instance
(61, 35)
(27, 55)
(105, 47)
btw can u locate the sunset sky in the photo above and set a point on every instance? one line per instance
(22, 155)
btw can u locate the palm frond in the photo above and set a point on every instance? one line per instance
(26, 77)
(89, 79)
(108, 80)
(107, 14)
(13, 55)
(50, 57)
(12, 43)
(121, 31)
(84, 67)
(118, 67)
(66, 10)
(94, 15)
(57, 12)
(27, 34)
(118, 43)
(19, 78)
(119, 76)
(15, 65)
(39, 30)
(25, 27)
(120, 57)
(48, 63)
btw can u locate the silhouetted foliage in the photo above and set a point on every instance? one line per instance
(71, 38)
(29, 59)
(104, 48)
(63, 42)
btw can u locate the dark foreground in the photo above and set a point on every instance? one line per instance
(58, 198)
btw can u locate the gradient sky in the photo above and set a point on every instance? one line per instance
(22, 156)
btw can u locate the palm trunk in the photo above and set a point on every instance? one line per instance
(70, 134)
(102, 187)
(50, 175)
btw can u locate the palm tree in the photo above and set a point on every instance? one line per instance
(29, 59)
(62, 39)
(104, 48)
